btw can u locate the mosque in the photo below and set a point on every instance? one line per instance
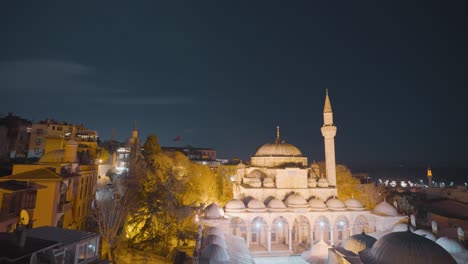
(284, 206)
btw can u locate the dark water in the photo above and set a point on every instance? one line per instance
(456, 175)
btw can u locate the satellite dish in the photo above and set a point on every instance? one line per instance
(24, 217)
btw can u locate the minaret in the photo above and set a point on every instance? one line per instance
(329, 132)
(134, 133)
(277, 140)
(429, 176)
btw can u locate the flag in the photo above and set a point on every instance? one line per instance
(178, 138)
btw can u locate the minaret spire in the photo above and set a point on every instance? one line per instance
(327, 108)
(277, 134)
(329, 132)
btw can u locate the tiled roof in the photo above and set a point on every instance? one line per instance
(38, 174)
(13, 253)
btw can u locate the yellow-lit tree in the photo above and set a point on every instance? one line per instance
(171, 190)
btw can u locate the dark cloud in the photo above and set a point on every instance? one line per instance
(43, 76)
(152, 100)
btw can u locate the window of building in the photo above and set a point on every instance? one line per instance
(39, 131)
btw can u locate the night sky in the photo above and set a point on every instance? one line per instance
(224, 74)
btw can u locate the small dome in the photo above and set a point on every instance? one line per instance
(354, 204)
(317, 204)
(235, 205)
(315, 166)
(426, 234)
(280, 149)
(214, 254)
(335, 204)
(215, 239)
(385, 209)
(405, 248)
(312, 182)
(268, 182)
(401, 228)
(451, 245)
(214, 211)
(255, 204)
(357, 243)
(276, 204)
(322, 182)
(295, 200)
(256, 174)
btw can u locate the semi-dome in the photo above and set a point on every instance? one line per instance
(280, 149)
(451, 245)
(425, 233)
(385, 209)
(295, 200)
(256, 205)
(276, 204)
(235, 205)
(359, 242)
(405, 248)
(317, 204)
(256, 174)
(214, 211)
(354, 204)
(335, 204)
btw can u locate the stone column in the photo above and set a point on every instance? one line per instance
(290, 239)
(248, 235)
(269, 240)
(332, 237)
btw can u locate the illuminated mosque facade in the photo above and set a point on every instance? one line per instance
(282, 205)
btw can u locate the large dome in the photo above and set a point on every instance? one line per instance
(280, 149)
(405, 248)
(451, 245)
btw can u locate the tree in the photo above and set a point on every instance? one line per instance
(348, 185)
(405, 208)
(109, 215)
(371, 194)
(171, 190)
